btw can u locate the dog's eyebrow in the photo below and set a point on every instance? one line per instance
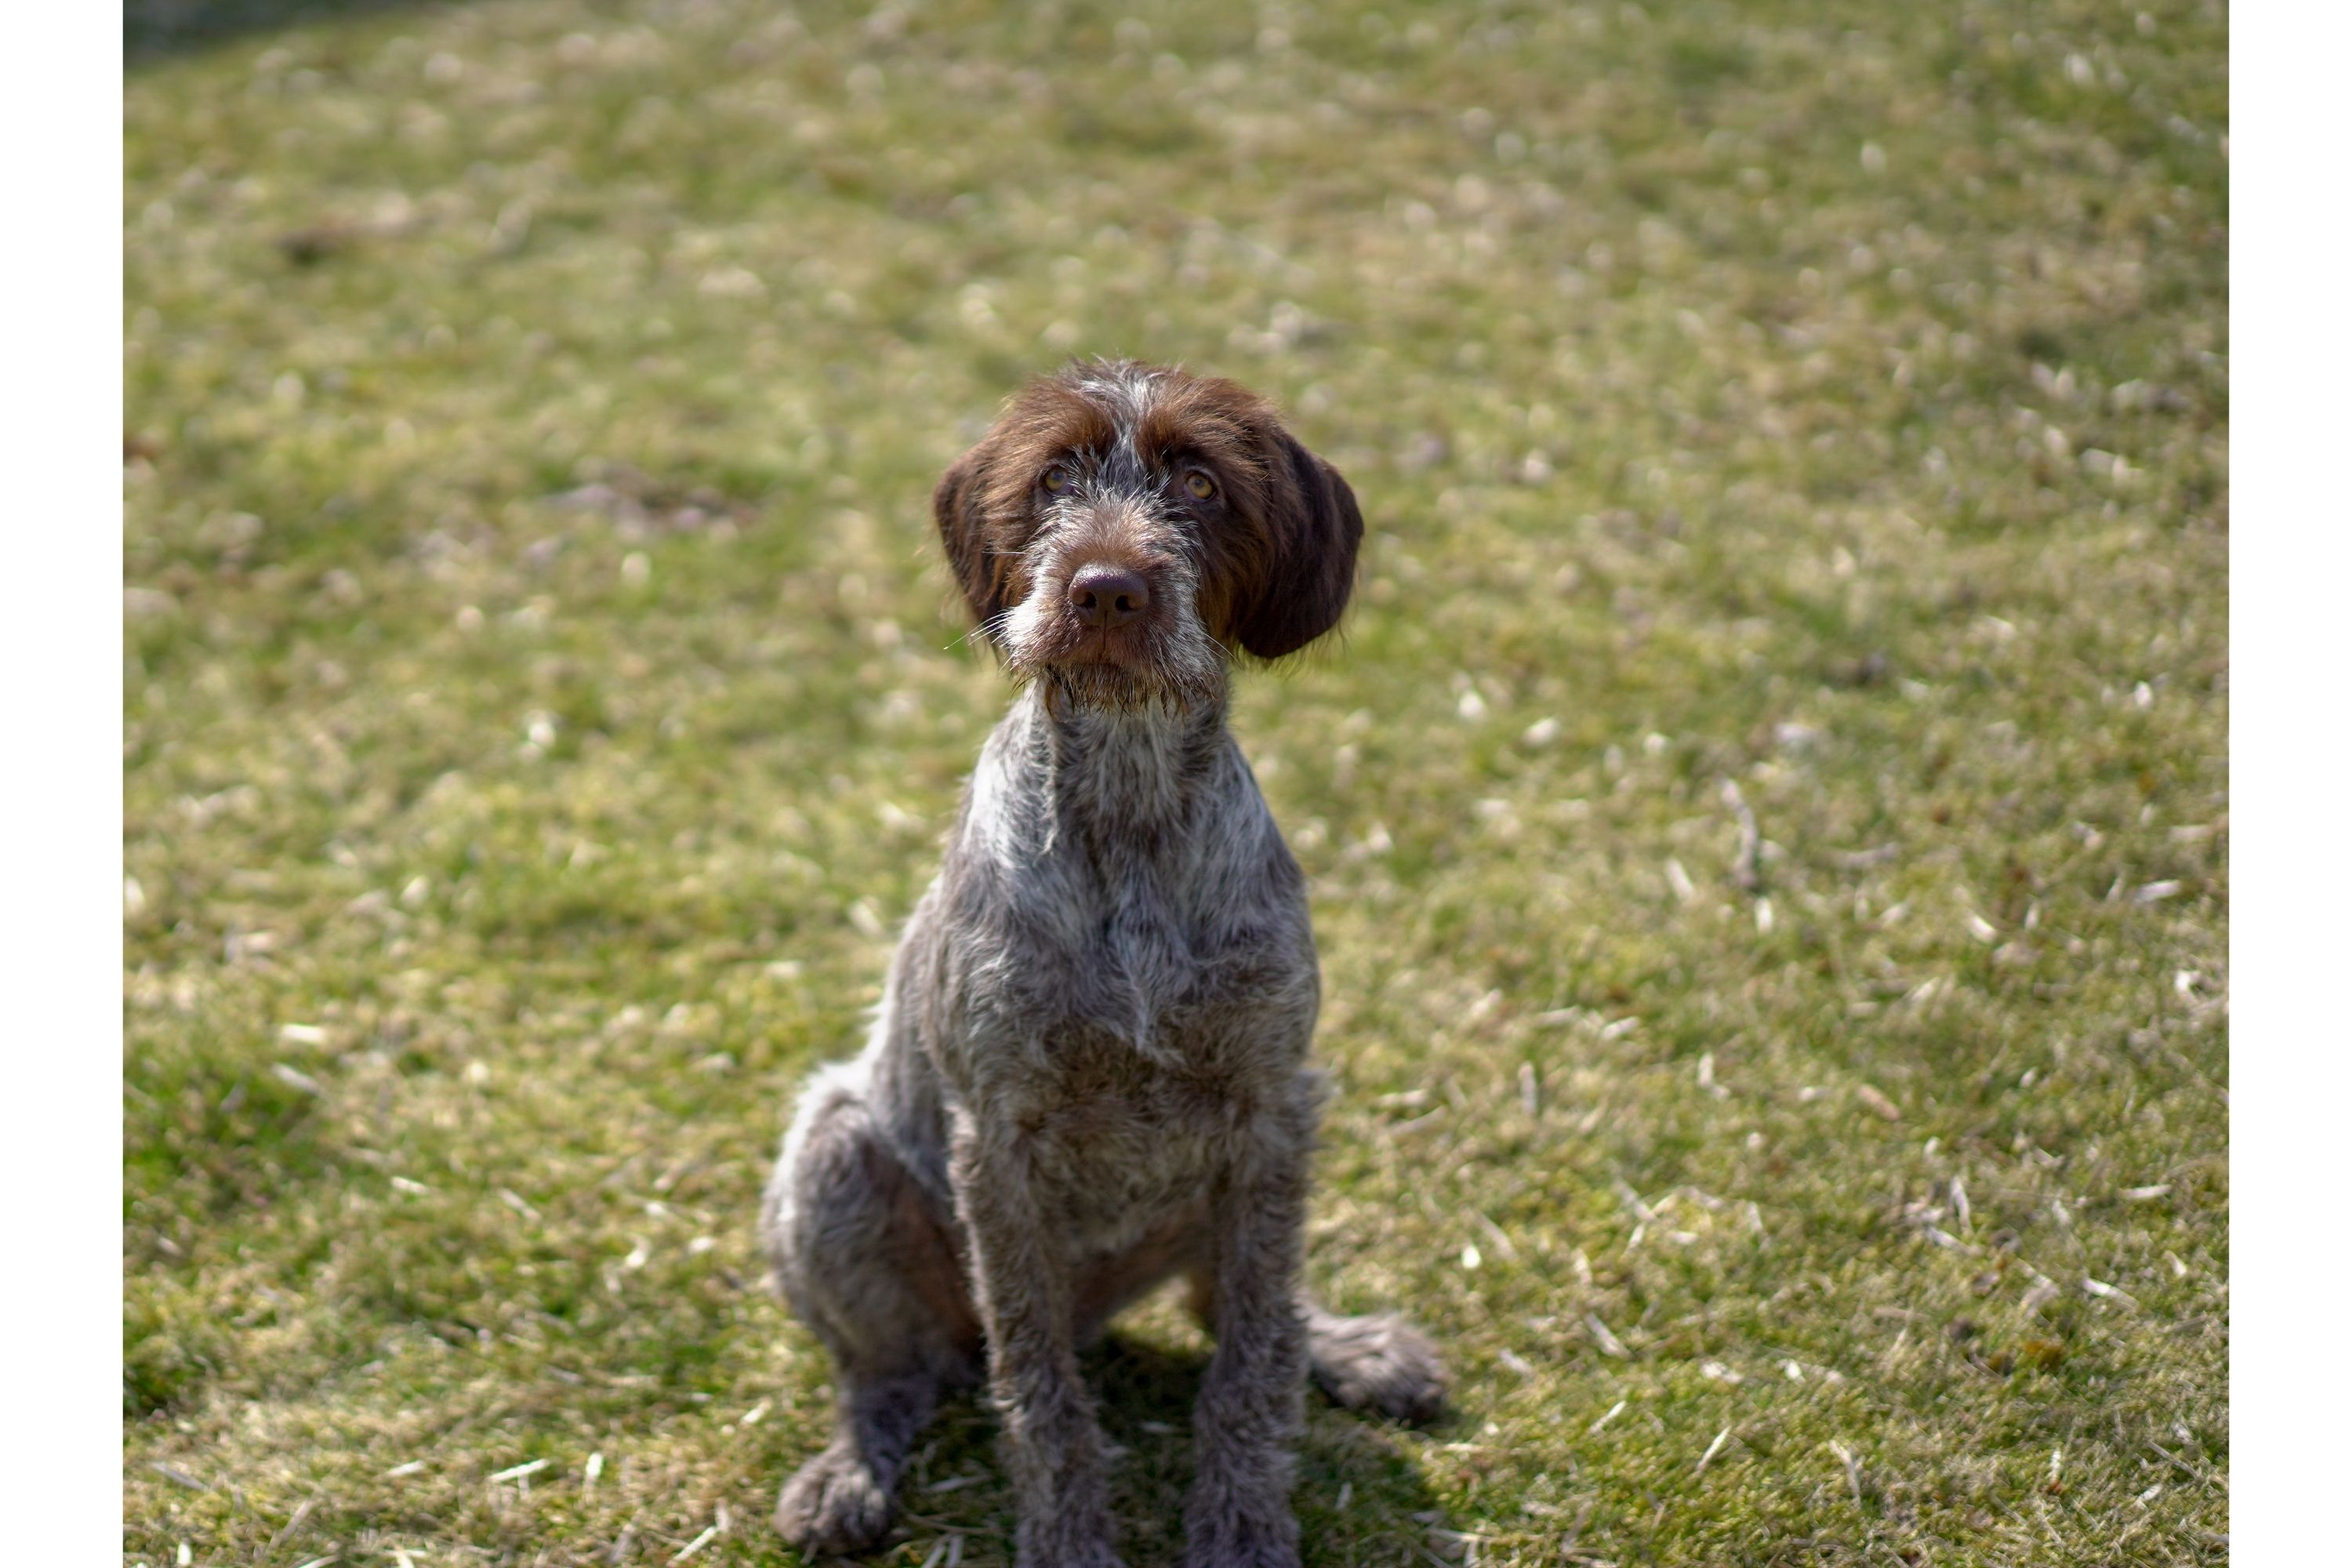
(1211, 430)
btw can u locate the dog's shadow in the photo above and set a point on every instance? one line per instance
(1359, 1496)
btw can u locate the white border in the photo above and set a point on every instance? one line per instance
(61, 919)
(2291, 875)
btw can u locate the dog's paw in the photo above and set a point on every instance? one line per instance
(1259, 1556)
(832, 1506)
(1229, 1543)
(1066, 1555)
(1098, 1555)
(1064, 1542)
(1379, 1362)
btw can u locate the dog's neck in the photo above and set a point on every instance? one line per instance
(1126, 777)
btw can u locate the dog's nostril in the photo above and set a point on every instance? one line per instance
(1108, 595)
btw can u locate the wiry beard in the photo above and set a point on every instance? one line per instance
(1121, 689)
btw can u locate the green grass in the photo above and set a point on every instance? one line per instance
(544, 704)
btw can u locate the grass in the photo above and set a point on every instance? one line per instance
(1767, 818)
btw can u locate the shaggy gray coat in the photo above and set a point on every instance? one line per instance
(1088, 1071)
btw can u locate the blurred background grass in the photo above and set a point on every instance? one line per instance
(1767, 815)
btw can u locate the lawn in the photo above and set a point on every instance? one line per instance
(1767, 814)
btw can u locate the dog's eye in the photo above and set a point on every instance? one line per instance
(1055, 480)
(1199, 486)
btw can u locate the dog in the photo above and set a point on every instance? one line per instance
(1087, 1073)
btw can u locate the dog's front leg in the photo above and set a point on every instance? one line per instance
(1022, 1286)
(1249, 1409)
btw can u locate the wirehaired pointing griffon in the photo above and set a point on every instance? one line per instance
(1088, 1071)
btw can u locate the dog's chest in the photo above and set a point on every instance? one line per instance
(1175, 966)
(1130, 966)
(1136, 1120)
(1134, 962)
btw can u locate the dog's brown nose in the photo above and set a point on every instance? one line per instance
(1106, 595)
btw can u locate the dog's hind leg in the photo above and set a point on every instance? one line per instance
(840, 1501)
(865, 1260)
(1379, 1362)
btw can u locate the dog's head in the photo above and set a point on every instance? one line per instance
(1124, 531)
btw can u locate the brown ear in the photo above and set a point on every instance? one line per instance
(959, 507)
(1309, 567)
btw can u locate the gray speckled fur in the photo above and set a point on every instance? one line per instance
(1088, 1074)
